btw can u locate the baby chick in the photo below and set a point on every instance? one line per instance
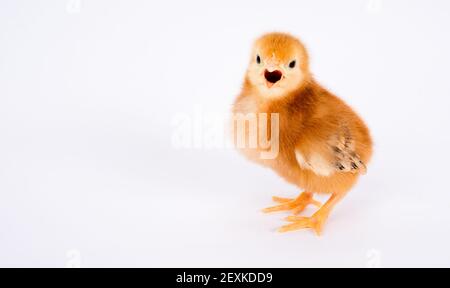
(323, 144)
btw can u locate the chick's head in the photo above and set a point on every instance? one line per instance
(279, 65)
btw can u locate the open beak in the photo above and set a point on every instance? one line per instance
(272, 77)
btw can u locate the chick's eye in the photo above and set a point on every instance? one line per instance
(258, 59)
(292, 64)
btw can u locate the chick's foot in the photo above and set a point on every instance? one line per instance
(315, 222)
(295, 205)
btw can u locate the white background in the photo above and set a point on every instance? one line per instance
(89, 175)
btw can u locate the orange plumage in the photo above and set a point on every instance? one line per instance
(323, 144)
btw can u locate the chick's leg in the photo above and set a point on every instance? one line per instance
(315, 222)
(296, 205)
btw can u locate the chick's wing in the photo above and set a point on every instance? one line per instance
(336, 155)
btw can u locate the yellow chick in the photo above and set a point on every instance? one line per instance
(323, 145)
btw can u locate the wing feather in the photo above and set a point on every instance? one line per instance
(339, 156)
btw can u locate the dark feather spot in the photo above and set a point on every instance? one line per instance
(337, 150)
